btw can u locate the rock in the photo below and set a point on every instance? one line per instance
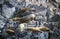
(7, 11)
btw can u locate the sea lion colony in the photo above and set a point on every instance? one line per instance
(30, 19)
